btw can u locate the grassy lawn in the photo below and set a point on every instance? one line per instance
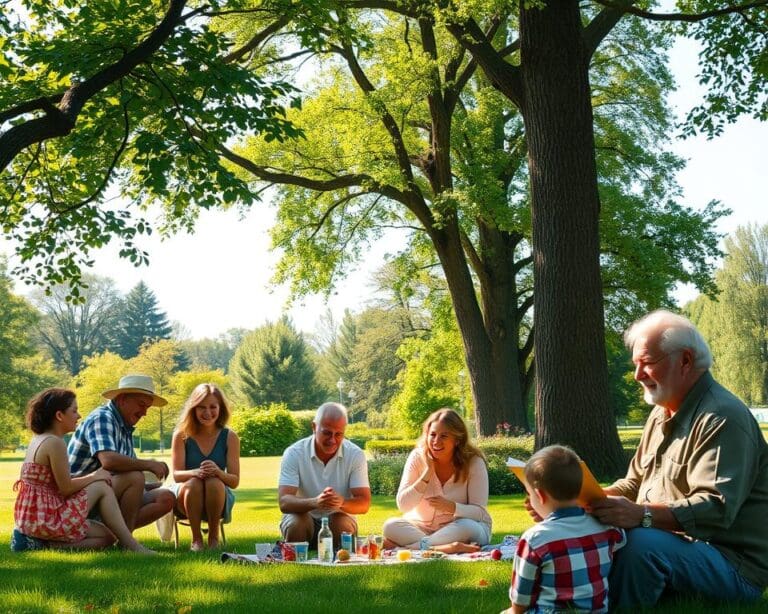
(181, 581)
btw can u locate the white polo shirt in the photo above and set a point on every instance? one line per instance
(302, 468)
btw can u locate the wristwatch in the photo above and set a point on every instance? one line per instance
(647, 521)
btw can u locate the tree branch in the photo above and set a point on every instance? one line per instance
(687, 17)
(60, 121)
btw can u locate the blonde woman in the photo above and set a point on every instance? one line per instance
(443, 493)
(206, 464)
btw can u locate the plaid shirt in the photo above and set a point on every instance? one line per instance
(562, 563)
(104, 429)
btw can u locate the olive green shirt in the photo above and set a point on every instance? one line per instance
(709, 464)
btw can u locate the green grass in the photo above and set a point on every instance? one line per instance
(181, 581)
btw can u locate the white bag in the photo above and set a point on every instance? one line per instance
(165, 526)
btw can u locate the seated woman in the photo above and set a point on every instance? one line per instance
(206, 464)
(443, 492)
(51, 505)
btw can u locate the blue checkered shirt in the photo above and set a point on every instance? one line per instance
(103, 430)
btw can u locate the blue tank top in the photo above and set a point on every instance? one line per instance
(193, 456)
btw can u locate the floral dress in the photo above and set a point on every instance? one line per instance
(41, 511)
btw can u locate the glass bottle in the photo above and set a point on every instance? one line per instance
(325, 542)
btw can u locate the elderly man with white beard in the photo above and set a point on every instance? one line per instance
(695, 496)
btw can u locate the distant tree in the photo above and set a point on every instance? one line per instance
(273, 365)
(736, 323)
(23, 371)
(205, 354)
(71, 330)
(157, 359)
(375, 363)
(340, 353)
(100, 372)
(139, 321)
(430, 378)
(183, 383)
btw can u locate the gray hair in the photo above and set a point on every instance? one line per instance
(332, 410)
(675, 333)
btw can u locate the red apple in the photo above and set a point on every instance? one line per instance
(496, 554)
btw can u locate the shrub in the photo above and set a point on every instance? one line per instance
(384, 474)
(517, 447)
(304, 420)
(265, 432)
(501, 481)
(379, 449)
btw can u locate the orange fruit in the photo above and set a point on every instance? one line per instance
(403, 555)
(342, 555)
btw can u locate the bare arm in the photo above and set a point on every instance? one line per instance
(290, 503)
(56, 451)
(230, 477)
(120, 463)
(179, 460)
(359, 503)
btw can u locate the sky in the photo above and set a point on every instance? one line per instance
(219, 277)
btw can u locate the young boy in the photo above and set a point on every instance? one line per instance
(562, 562)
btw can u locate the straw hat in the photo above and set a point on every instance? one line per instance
(141, 384)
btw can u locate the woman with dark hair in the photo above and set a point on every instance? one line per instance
(444, 490)
(206, 464)
(51, 505)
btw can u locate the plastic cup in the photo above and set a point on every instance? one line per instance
(361, 546)
(302, 551)
(375, 543)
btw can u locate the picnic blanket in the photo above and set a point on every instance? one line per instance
(272, 553)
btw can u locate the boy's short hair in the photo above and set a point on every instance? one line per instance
(555, 470)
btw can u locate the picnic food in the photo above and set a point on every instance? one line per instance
(496, 554)
(432, 554)
(342, 555)
(403, 555)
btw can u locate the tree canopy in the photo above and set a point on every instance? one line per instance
(124, 96)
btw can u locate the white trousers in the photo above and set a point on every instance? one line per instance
(408, 534)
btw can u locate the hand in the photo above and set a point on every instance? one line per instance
(208, 469)
(532, 512)
(102, 475)
(160, 469)
(329, 500)
(442, 504)
(428, 459)
(617, 511)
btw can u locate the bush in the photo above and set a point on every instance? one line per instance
(265, 432)
(384, 474)
(501, 481)
(304, 420)
(517, 447)
(379, 449)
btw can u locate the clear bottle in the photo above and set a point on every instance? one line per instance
(325, 542)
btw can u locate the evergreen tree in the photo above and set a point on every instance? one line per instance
(140, 320)
(273, 365)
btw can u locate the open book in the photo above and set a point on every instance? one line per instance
(590, 489)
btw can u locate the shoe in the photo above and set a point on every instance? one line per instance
(21, 542)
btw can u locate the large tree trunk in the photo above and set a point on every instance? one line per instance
(494, 381)
(572, 401)
(502, 315)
